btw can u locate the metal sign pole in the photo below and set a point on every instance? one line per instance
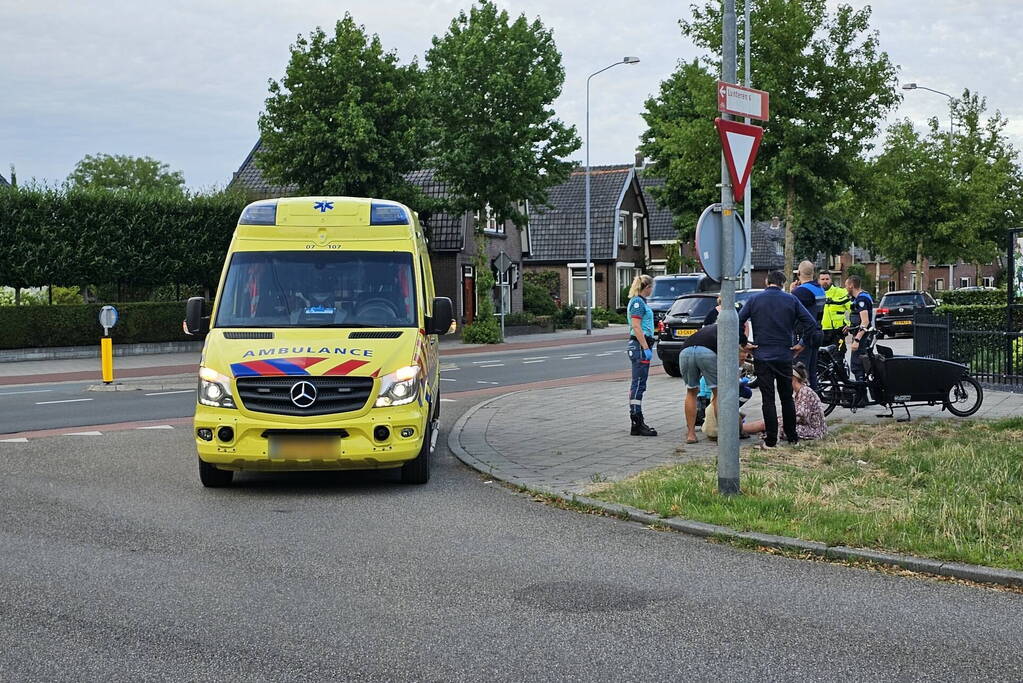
(747, 263)
(728, 319)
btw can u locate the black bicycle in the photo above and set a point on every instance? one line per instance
(895, 381)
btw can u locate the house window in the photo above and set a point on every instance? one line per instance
(577, 283)
(964, 282)
(637, 229)
(490, 224)
(939, 284)
(503, 291)
(891, 285)
(621, 231)
(989, 282)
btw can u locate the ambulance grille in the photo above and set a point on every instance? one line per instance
(248, 335)
(333, 394)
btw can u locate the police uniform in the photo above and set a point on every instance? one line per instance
(862, 303)
(638, 309)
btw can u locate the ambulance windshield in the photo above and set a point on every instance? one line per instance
(318, 289)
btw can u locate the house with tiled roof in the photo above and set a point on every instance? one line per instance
(619, 243)
(660, 226)
(452, 241)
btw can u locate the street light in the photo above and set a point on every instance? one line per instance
(589, 264)
(951, 122)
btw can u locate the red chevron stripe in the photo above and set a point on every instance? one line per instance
(346, 367)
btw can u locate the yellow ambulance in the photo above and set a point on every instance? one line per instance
(321, 346)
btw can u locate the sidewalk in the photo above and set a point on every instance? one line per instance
(568, 438)
(163, 364)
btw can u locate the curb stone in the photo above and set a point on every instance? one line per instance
(969, 572)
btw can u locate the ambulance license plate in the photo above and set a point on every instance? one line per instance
(684, 332)
(304, 447)
(903, 322)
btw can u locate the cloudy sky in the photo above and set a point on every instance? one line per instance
(183, 81)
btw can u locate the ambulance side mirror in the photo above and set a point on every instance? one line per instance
(195, 323)
(440, 321)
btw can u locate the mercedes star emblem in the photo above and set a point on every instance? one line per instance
(303, 394)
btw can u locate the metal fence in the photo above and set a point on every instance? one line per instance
(994, 356)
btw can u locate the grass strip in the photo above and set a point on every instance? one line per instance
(948, 489)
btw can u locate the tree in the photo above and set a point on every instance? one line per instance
(492, 83)
(346, 119)
(831, 87)
(120, 172)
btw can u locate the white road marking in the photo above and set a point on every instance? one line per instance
(482, 362)
(536, 358)
(166, 393)
(84, 434)
(157, 427)
(449, 368)
(527, 362)
(609, 353)
(69, 400)
(447, 379)
(31, 391)
(495, 365)
(571, 357)
(21, 440)
(479, 381)
(447, 400)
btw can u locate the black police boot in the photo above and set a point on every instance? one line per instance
(641, 428)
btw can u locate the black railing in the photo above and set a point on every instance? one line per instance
(994, 356)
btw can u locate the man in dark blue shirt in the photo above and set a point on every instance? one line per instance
(861, 319)
(776, 315)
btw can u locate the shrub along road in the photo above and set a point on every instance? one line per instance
(117, 565)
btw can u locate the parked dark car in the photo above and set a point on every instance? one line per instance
(894, 314)
(683, 319)
(667, 288)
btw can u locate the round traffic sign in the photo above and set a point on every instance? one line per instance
(107, 317)
(708, 243)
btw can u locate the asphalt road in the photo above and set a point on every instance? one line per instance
(115, 564)
(71, 404)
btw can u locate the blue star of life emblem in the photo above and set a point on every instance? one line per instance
(324, 207)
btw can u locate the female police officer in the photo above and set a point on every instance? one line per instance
(641, 340)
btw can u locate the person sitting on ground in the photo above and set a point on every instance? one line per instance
(810, 423)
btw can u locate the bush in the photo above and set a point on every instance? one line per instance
(564, 317)
(537, 300)
(483, 331)
(518, 319)
(973, 298)
(607, 316)
(549, 280)
(78, 325)
(976, 317)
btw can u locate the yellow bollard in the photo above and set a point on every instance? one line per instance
(106, 353)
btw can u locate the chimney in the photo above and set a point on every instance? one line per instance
(640, 161)
(775, 222)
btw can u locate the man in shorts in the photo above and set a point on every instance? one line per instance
(699, 359)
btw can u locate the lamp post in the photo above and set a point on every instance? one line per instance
(589, 261)
(951, 100)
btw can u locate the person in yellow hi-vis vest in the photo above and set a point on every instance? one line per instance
(836, 307)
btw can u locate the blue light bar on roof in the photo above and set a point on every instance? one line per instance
(260, 213)
(387, 214)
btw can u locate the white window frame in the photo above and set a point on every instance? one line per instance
(637, 229)
(988, 281)
(621, 228)
(625, 272)
(491, 225)
(571, 281)
(939, 284)
(964, 282)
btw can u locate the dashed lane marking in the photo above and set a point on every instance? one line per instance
(167, 393)
(447, 379)
(479, 381)
(527, 362)
(536, 358)
(609, 353)
(21, 440)
(68, 400)
(29, 391)
(157, 427)
(447, 400)
(494, 365)
(571, 357)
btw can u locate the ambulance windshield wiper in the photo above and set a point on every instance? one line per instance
(352, 325)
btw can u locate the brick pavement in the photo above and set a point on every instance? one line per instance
(571, 438)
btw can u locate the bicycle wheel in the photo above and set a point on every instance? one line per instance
(964, 397)
(829, 389)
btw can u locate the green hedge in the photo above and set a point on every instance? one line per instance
(978, 317)
(972, 298)
(78, 237)
(40, 326)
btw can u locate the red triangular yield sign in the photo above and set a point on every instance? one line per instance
(740, 142)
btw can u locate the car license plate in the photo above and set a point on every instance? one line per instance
(903, 322)
(683, 332)
(304, 447)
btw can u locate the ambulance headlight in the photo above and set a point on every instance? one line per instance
(399, 388)
(214, 389)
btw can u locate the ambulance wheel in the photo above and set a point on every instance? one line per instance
(213, 478)
(417, 471)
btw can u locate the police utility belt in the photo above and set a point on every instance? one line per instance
(650, 341)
